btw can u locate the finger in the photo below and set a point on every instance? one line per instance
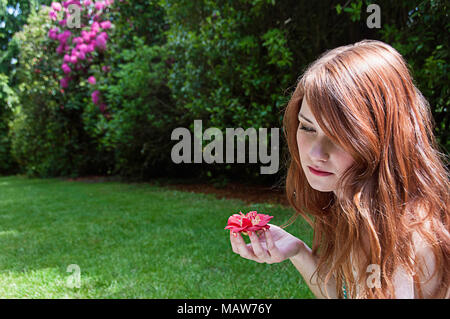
(271, 247)
(243, 249)
(233, 243)
(258, 250)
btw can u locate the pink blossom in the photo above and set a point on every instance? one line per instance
(53, 33)
(83, 48)
(90, 48)
(62, 22)
(104, 35)
(87, 3)
(64, 82)
(61, 48)
(62, 37)
(66, 4)
(102, 107)
(77, 40)
(92, 80)
(95, 96)
(100, 42)
(66, 68)
(87, 37)
(66, 58)
(95, 27)
(99, 5)
(105, 24)
(92, 35)
(106, 68)
(56, 6)
(52, 14)
(73, 59)
(81, 55)
(252, 221)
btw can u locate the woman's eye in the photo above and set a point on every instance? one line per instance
(305, 128)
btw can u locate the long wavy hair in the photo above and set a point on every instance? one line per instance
(364, 99)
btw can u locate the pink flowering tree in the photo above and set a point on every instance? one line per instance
(94, 98)
(82, 45)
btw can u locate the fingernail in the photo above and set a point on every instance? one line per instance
(235, 234)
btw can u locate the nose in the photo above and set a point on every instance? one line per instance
(319, 151)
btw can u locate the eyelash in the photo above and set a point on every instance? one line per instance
(306, 129)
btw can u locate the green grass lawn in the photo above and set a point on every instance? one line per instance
(131, 241)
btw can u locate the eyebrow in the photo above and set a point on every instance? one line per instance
(306, 119)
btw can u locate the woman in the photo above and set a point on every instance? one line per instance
(366, 174)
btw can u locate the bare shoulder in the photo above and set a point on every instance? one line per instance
(426, 273)
(426, 267)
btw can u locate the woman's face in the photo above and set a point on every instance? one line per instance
(322, 161)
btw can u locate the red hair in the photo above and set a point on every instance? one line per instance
(363, 98)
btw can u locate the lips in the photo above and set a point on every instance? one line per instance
(318, 172)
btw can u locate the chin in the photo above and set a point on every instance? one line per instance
(322, 189)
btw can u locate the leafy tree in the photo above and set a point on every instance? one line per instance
(412, 27)
(13, 15)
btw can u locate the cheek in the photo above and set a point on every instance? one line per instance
(343, 160)
(302, 144)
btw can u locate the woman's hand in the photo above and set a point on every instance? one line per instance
(273, 245)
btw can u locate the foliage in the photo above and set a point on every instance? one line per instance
(230, 63)
(13, 15)
(47, 134)
(412, 28)
(229, 71)
(8, 99)
(143, 114)
(137, 135)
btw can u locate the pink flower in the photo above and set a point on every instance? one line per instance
(100, 42)
(102, 107)
(87, 3)
(66, 68)
(95, 27)
(95, 96)
(64, 82)
(62, 37)
(73, 59)
(92, 35)
(106, 69)
(62, 22)
(66, 4)
(83, 47)
(99, 5)
(53, 33)
(61, 48)
(87, 37)
(252, 221)
(77, 40)
(66, 58)
(105, 24)
(104, 35)
(52, 14)
(90, 48)
(56, 6)
(81, 55)
(92, 80)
